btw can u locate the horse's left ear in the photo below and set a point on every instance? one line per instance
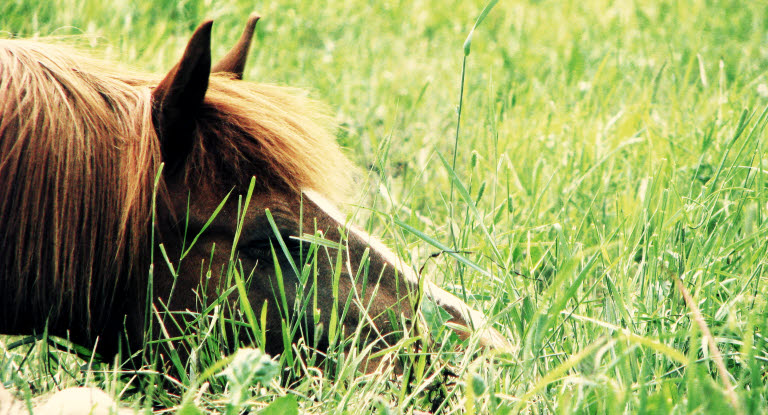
(177, 99)
(234, 61)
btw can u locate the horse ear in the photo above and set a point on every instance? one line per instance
(177, 99)
(234, 60)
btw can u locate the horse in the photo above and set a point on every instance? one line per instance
(122, 193)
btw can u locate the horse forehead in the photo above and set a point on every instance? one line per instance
(201, 204)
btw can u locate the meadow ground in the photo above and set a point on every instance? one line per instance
(604, 195)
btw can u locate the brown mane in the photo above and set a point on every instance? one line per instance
(292, 142)
(78, 158)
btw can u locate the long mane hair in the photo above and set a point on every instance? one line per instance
(78, 160)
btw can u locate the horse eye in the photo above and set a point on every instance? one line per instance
(262, 248)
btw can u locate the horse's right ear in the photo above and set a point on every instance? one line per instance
(234, 61)
(177, 99)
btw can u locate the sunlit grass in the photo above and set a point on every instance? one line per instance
(605, 149)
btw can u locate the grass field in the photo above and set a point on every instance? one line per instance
(606, 191)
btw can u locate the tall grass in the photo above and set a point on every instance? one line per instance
(611, 155)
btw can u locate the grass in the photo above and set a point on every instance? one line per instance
(609, 154)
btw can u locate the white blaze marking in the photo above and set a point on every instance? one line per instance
(326, 206)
